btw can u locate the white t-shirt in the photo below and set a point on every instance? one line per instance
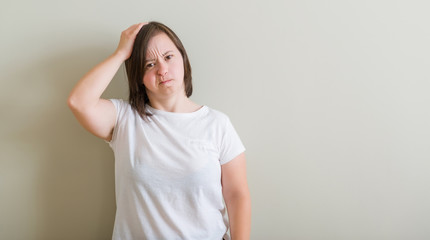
(168, 173)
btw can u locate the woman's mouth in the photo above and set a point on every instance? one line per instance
(163, 82)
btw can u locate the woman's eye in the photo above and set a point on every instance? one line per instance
(149, 65)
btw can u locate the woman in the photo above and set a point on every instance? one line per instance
(175, 161)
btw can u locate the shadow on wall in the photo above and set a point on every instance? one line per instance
(69, 176)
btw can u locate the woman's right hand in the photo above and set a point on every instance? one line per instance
(126, 42)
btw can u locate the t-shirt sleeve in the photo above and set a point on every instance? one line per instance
(120, 109)
(231, 145)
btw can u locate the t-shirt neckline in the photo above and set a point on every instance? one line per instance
(175, 114)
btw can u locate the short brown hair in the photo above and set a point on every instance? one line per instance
(135, 65)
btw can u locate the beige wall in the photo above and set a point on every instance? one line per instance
(331, 99)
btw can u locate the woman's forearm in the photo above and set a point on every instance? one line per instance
(239, 213)
(91, 86)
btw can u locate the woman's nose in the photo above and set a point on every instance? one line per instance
(162, 68)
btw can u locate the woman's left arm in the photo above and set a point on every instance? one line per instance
(237, 197)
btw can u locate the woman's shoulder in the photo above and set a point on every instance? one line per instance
(118, 100)
(217, 115)
(122, 106)
(120, 103)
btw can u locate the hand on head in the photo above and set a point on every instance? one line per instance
(126, 42)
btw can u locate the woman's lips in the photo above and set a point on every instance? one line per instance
(165, 81)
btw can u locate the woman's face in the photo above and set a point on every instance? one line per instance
(164, 74)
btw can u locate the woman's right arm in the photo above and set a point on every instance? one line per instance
(95, 114)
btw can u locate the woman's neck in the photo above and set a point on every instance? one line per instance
(179, 104)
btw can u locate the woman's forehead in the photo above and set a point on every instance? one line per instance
(160, 43)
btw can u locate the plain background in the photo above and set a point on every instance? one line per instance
(331, 99)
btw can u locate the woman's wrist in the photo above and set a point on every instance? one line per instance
(120, 56)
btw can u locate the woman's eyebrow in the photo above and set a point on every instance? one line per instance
(153, 59)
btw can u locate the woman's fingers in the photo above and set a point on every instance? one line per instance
(135, 28)
(128, 36)
(138, 27)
